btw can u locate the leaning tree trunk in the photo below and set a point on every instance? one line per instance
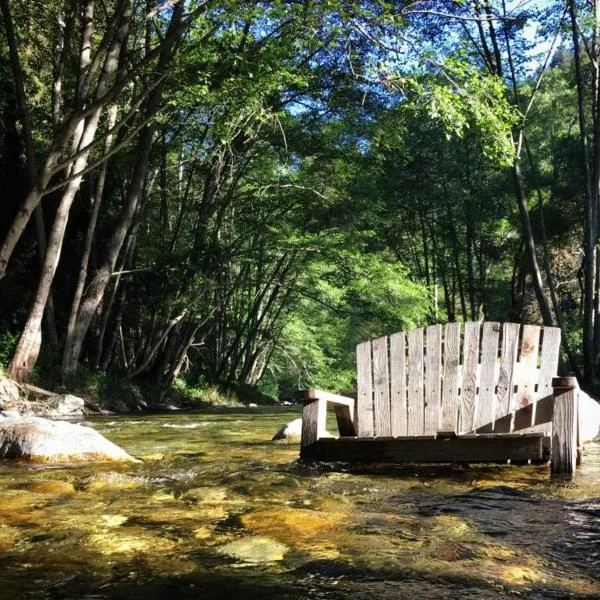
(589, 219)
(28, 347)
(100, 280)
(529, 244)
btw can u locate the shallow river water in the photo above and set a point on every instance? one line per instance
(217, 510)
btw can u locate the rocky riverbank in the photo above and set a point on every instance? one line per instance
(28, 400)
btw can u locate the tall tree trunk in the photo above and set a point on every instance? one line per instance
(23, 111)
(29, 343)
(529, 244)
(96, 202)
(589, 226)
(97, 286)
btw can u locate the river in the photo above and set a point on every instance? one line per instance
(216, 510)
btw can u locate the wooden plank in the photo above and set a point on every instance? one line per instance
(364, 385)
(381, 387)
(475, 449)
(314, 394)
(416, 407)
(487, 378)
(313, 424)
(399, 418)
(469, 377)
(528, 373)
(450, 379)
(564, 432)
(433, 379)
(345, 420)
(548, 369)
(523, 417)
(508, 358)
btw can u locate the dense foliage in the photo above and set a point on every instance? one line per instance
(236, 193)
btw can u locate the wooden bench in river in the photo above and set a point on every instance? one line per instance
(472, 392)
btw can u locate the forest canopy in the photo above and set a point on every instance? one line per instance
(233, 194)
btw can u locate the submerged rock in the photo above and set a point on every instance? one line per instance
(292, 524)
(52, 486)
(589, 417)
(292, 431)
(111, 481)
(43, 441)
(254, 549)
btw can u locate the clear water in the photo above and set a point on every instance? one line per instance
(217, 510)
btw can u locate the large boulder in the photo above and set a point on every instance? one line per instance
(292, 431)
(589, 417)
(43, 441)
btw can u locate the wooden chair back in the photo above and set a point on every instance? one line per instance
(457, 377)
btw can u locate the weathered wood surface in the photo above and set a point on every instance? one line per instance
(468, 397)
(416, 407)
(364, 382)
(528, 372)
(450, 381)
(314, 394)
(408, 391)
(310, 424)
(486, 409)
(433, 379)
(398, 408)
(343, 406)
(522, 418)
(548, 368)
(381, 387)
(508, 358)
(486, 448)
(565, 425)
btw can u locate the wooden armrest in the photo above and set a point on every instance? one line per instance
(312, 394)
(314, 416)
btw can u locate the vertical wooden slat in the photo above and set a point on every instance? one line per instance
(508, 358)
(487, 379)
(450, 380)
(433, 380)
(314, 417)
(364, 384)
(469, 377)
(565, 421)
(381, 387)
(548, 369)
(415, 382)
(528, 373)
(398, 384)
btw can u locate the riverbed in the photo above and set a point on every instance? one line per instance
(215, 509)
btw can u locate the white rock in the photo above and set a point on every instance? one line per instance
(41, 440)
(10, 412)
(589, 417)
(9, 392)
(291, 431)
(253, 405)
(62, 405)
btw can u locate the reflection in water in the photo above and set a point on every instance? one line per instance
(217, 510)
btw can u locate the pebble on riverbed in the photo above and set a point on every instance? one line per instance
(254, 550)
